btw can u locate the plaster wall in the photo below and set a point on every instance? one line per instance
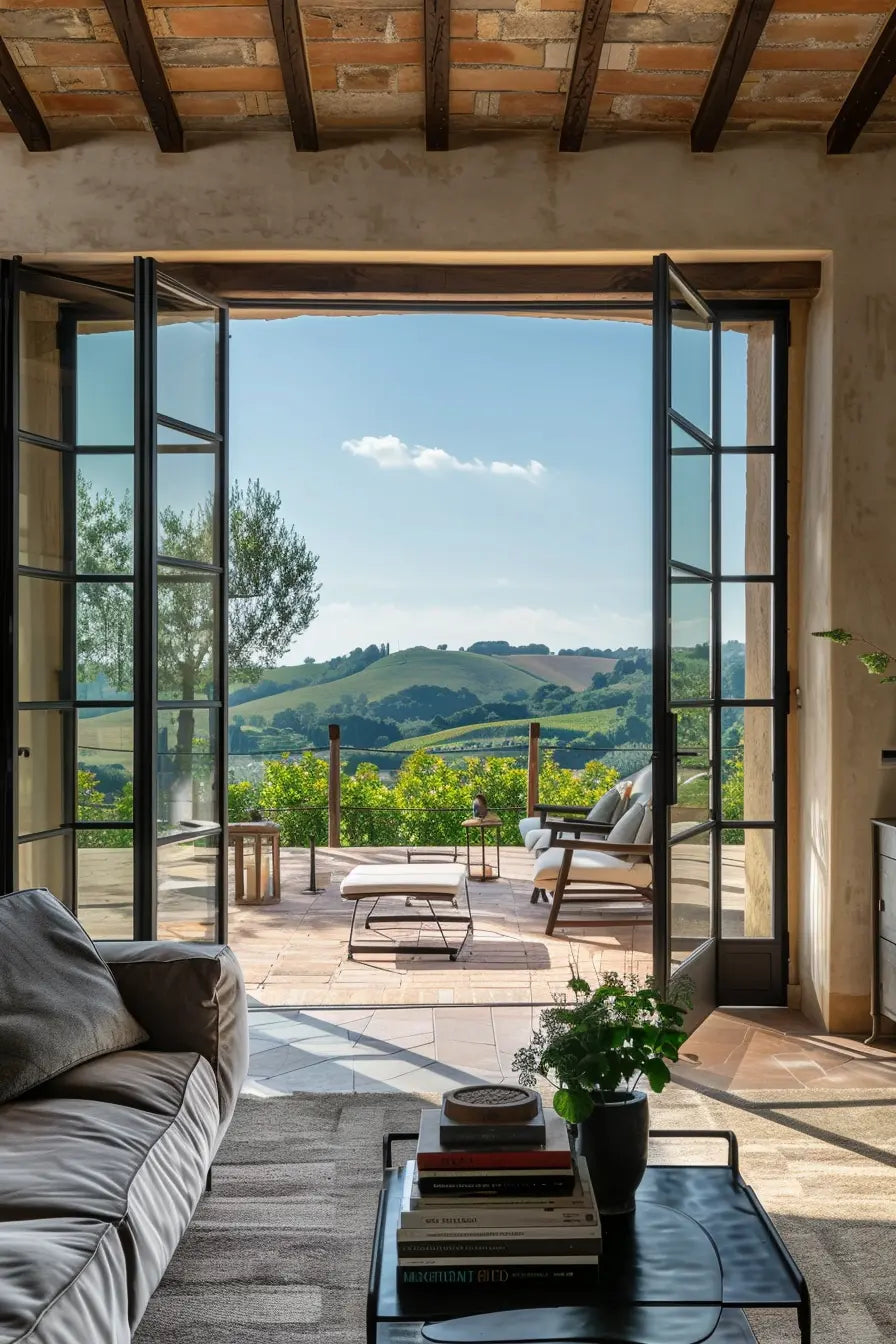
(518, 199)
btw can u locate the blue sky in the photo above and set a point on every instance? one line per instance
(461, 476)
(531, 520)
(473, 542)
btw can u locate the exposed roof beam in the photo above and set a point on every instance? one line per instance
(418, 282)
(584, 73)
(437, 65)
(132, 27)
(290, 40)
(19, 104)
(871, 84)
(740, 41)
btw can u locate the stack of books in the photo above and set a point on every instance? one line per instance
(484, 1215)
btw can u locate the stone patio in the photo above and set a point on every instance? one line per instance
(295, 952)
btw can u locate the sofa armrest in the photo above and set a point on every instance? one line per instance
(188, 996)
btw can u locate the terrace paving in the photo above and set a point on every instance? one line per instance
(295, 952)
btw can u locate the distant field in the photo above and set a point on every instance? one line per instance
(588, 721)
(487, 677)
(562, 669)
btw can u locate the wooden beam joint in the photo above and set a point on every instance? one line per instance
(735, 54)
(872, 82)
(437, 69)
(132, 29)
(583, 78)
(290, 41)
(20, 106)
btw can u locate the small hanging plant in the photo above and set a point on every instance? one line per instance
(603, 1040)
(877, 661)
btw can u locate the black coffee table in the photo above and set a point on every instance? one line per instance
(698, 1250)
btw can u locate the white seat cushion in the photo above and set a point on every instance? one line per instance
(533, 839)
(592, 867)
(435, 881)
(529, 824)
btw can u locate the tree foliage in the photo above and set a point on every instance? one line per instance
(424, 806)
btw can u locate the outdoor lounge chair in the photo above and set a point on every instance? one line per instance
(600, 819)
(605, 812)
(599, 881)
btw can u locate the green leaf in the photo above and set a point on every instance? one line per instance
(885, 680)
(573, 1104)
(579, 986)
(657, 1074)
(838, 636)
(876, 663)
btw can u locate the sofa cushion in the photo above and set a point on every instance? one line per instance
(59, 1003)
(63, 1279)
(189, 996)
(142, 1172)
(149, 1080)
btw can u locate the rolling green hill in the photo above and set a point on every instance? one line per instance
(489, 678)
(588, 721)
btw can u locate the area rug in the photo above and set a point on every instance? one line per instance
(279, 1251)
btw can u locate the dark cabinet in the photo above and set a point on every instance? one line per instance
(883, 979)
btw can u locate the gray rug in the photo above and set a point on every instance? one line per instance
(279, 1251)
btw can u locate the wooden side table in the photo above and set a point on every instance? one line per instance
(256, 878)
(484, 872)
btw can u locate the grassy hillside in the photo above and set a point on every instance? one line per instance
(487, 677)
(589, 721)
(562, 669)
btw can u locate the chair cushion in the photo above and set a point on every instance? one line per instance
(591, 866)
(645, 830)
(72, 1156)
(628, 825)
(63, 1279)
(529, 824)
(435, 881)
(610, 807)
(534, 838)
(59, 1004)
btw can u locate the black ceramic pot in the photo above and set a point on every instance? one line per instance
(613, 1141)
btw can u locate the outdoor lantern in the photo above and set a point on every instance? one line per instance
(256, 861)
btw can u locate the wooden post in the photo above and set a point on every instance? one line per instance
(532, 783)
(334, 790)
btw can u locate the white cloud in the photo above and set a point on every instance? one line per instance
(388, 452)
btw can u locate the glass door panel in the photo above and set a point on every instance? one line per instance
(74, 432)
(190, 544)
(720, 625)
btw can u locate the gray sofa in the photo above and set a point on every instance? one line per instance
(102, 1167)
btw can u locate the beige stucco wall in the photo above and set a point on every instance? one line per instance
(632, 197)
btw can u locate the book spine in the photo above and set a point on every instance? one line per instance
(467, 1160)
(432, 1184)
(499, 1136)
(514, 1216)
(488, 1276)
(487, 1248)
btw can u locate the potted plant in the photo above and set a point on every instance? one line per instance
(594, 1049)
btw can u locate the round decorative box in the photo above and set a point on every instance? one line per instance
(495, 1105)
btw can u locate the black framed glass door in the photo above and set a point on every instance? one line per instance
(110, 752)
(720, 697)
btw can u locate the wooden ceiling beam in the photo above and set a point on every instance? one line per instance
(290, 39)
(436, 70)
(132, 29)
(735, 54)
(872, 82)
(583, 78)
(340, 281)
(20, 106)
